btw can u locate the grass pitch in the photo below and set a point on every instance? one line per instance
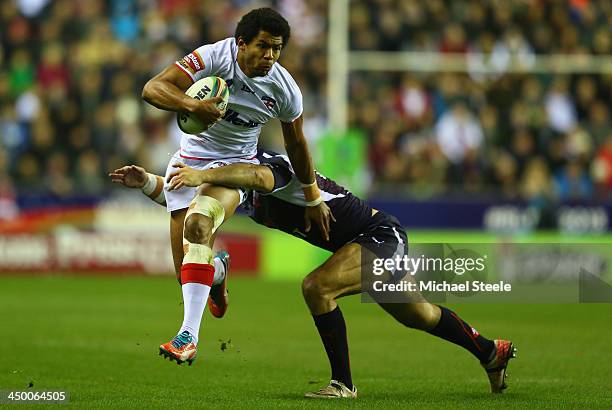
(97, 338)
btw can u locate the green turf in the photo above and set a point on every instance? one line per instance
(479, 236)
(243, 224)
(98, 338)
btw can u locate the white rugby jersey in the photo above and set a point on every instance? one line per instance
(252, 102)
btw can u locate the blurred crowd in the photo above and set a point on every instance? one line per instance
(540, 137)
(72, 73)
(71, 78)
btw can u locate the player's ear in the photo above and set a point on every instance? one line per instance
(241, 44)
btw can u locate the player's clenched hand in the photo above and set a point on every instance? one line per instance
(130, 176)
(321, 216)
(207, 110)
(184, 176)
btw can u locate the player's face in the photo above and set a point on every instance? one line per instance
(257, 57)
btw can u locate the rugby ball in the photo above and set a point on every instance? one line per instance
(203, 89)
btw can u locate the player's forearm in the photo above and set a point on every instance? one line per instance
(299, 155)
(304, 170)
(297, 150)
(257, 177)
(167, 96)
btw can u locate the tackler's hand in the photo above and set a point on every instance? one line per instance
(130, 176)
(322, 217)
(184, 176)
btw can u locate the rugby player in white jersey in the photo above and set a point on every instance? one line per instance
(277, 202)
(260, 89)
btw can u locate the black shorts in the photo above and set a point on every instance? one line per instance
(386, 239)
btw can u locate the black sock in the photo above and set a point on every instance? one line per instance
(452, 328)
(332, 329)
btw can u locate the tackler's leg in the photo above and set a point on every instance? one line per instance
(340, 275)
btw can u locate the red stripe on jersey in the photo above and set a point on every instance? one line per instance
(214, 159)
(185, 71)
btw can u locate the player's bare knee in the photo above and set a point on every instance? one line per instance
(308, 287)
(198, 228)
(313, 289)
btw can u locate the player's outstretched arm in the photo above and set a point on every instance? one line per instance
(317, 211)
(250, 176)
(166, 91)
(132, 176)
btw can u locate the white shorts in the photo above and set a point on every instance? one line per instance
(181, 198)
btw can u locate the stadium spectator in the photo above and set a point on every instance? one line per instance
(52, 72)
(413, 103)
(383, 147)
(28, 174)
(8, 200)
(602, 166)
(453, 40)
(537, 184)
(513, 48)
(522, 149)
(88, 176)
(599, 121)
(458, 133)
(560, 107)
(536, 187)
(573, 183)
(57, 177)
(21, 72)
(505, 174)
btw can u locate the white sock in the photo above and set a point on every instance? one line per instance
(195, 296)
(219, 271)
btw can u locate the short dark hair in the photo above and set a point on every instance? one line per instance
(265, 19)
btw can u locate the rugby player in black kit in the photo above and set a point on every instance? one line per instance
(277, 201)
